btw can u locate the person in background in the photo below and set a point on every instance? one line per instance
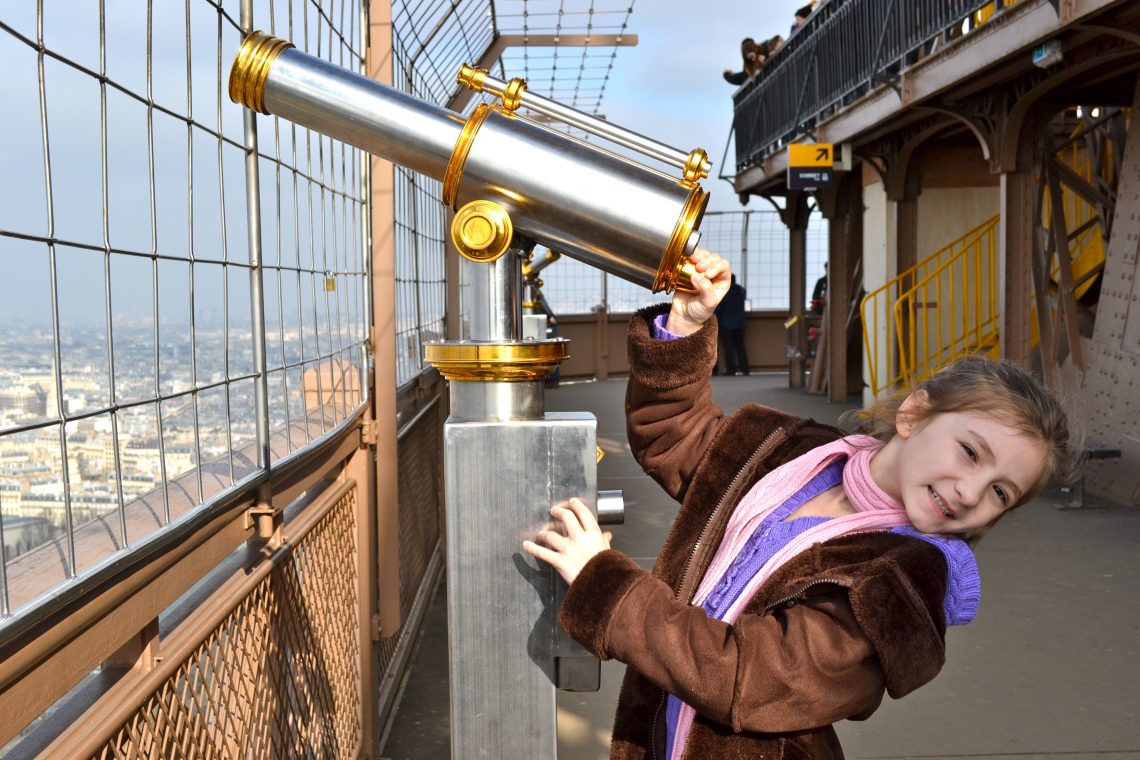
(731, 318)
(819, 293)
(808, 573)
(752, 59)
(771, 46)
(755, 56)
(801, 16)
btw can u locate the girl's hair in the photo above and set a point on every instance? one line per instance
(1000, 388)
(749, 45)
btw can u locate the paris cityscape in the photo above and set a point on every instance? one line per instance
(122, 455)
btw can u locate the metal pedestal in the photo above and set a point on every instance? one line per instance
(507, 653)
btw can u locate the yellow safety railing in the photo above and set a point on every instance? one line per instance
(985, 13)
(951, 312)
(920, 304)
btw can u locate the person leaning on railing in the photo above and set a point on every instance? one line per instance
(754, 55)
(802, 16)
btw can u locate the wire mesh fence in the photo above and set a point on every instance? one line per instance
(431, 40)
(170, 304)
(755, 242)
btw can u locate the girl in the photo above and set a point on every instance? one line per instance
(806, 572)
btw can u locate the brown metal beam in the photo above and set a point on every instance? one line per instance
(1043, 297)
(795, 216)
(1060, 236)
(382, 425)
(843, 206)
(1016, 231)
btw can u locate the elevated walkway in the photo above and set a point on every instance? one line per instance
(1048, 669)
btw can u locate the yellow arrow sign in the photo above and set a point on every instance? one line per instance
(810, 154)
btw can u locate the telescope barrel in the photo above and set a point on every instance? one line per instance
(570, 196)
(613, 213)
(353, 109)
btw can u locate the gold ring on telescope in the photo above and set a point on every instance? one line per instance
(512, 93)
(251, 68)
(695, 166)
(505, 362)
(471, 77)
(669, 273)
(459, 153)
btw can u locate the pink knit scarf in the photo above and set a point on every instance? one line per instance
(875, 511)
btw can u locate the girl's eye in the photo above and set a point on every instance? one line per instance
(970, 452)
(1002, 494)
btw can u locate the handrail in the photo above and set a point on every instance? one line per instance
(946, 305)
(844, 50)
(881, 303)
(951, 312)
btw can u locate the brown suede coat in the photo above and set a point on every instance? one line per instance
(819, 642)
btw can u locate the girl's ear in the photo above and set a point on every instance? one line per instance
(911, 412)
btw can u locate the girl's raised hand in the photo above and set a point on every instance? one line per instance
(575, 542)
(689, 311)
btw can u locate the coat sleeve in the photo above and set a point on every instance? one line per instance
(670, 415)
(806, 664)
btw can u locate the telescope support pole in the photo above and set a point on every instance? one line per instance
(496, 297)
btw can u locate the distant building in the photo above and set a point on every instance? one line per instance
(28, 399)
(22, 534)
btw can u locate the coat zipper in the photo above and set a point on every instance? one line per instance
(653, 726)
(684, 595)
(801, 589)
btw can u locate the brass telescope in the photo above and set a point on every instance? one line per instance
(504, 175)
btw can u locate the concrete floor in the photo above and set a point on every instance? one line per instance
(1050, 669)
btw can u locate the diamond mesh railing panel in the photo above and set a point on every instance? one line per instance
(280, 677)
(421, 498)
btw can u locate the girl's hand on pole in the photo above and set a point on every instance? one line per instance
(573, 541)
(690, 311)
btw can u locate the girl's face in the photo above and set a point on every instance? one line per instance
(956, 472)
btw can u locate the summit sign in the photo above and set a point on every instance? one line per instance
(810, 165)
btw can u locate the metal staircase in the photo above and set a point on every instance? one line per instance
(940, 308)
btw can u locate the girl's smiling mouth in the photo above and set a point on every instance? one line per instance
(939, 504)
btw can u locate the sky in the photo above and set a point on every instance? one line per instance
(670, 86)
